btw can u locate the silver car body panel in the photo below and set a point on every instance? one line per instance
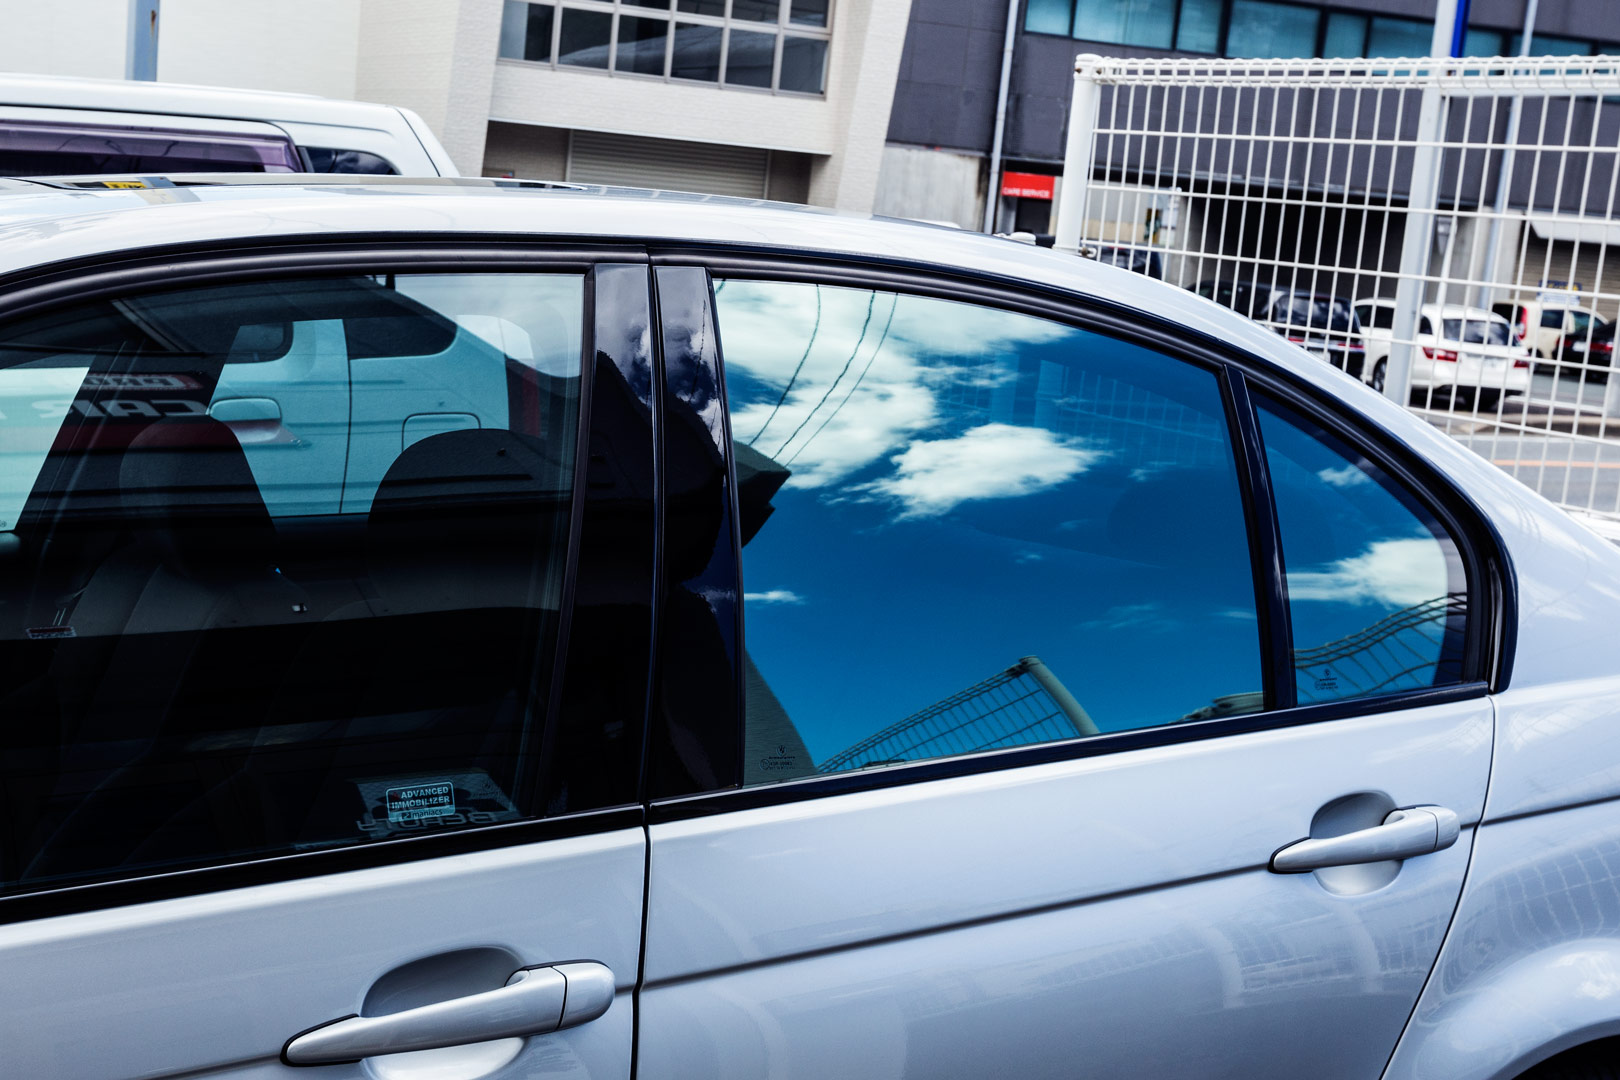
(1112, 913)
(216, 984)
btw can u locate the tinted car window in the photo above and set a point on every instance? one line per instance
(965, 528)
(1476, 331)
(281, 566)
(1376, 589)
(36, 149)
(1315, 312)
(325, 159)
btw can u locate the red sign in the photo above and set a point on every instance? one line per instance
(1027, 185)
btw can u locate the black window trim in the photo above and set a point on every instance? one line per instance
(1488, 648)
(74, 281)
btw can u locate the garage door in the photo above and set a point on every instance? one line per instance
(630, 161)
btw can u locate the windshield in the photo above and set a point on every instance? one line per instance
(1477, 331)
(1579, 322)
(1314, 312)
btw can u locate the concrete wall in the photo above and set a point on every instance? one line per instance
(85, 38)
(868, 36)
(304, 46)
(527, 93)
(436, 57)
(931, 185)
(526, 151)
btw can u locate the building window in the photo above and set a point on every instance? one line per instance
(778, 45)
(1268, 29)
(1264, 30)
(1146, 23)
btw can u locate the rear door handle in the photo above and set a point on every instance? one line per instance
(1417, 830)
(534, 1001)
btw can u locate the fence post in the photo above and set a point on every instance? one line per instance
(1416, 240)
(1077, 154)
(1422, 197)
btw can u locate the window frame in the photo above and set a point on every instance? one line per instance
(71, 282)
(783, 28)
(1224, 25)
(1490, 581)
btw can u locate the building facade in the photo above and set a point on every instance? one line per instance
(781, 99)
(936, 163)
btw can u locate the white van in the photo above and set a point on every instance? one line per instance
(53, 126)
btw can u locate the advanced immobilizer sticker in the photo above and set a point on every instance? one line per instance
(417, 801)
(404, 804)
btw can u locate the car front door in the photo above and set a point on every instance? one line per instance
(319, 757)
(1026, 716)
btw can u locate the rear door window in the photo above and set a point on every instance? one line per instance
(281, 566)
(966, 529)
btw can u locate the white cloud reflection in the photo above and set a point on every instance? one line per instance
(869, 385)
(773, 596)
(992, 461)
(1346, 477)
(1396, 572)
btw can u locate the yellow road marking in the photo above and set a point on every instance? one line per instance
(1512, 463)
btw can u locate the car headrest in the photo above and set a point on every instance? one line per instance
(185, 486)
(466, 520)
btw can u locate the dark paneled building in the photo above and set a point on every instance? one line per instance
(936, 163)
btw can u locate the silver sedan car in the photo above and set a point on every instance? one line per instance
(471, 629)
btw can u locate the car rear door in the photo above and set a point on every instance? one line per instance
(337, 765)
(1054, 634)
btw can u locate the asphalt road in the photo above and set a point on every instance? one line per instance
(1578, 470)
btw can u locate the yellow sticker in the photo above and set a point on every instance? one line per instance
(124, 183)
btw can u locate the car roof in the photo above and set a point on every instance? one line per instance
(180, 99)
(45, 220)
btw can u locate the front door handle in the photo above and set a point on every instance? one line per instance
(1417, 830)
(534, 1001)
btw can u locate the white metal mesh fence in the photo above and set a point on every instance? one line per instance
(1440, 228)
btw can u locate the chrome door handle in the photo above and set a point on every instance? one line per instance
(1417, 830)
(534, 1001)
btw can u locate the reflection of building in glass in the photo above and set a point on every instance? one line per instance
(1398, 652)
(1022, 705)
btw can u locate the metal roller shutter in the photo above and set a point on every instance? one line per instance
(631, 161)
(1573, 265)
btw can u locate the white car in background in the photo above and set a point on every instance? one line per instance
(53, 126)
(1459, 348)
(1554, 326)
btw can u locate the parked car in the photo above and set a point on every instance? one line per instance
(1322, 324)
(1600, 352)
(52, 126)
(453, 628)
(1554, 326)
(1459, 348)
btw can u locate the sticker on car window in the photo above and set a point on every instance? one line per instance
(396, 805)
(417, 801)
